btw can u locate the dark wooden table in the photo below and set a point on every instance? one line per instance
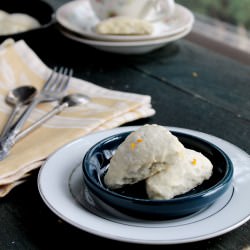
(191, 87)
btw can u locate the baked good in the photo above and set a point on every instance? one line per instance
(122, 25)
(16, 22)
(146, 151)
(181, 177)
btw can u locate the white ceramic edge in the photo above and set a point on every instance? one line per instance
(89, 201)
(129, 47)
(131, 43)
(92, 35)
(147, 235)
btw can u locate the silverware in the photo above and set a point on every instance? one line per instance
(52, 90)
(18, 97)
(67, 101)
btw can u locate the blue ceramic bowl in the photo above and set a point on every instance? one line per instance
(133, 200)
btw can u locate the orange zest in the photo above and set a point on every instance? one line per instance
(133, 144)
(194, 161)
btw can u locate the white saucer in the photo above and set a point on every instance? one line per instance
(59, 182)
(129, 48)
(89, 201)
(77, 16)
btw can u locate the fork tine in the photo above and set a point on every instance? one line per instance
(53, 79)
(52, 91)
(62, 76)
(49, 80)
(65, 80)
(57, 82)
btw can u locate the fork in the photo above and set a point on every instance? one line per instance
(52, 90)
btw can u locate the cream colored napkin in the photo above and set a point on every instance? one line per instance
(19, 65)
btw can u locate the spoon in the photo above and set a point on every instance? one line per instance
(67, 101)
(18, 97)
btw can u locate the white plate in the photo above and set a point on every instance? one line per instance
(129, 48)
(77, 16)
(59, 182)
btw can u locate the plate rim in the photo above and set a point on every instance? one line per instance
(128, 44)
(130, 237)
(112, 38)
(128, 48)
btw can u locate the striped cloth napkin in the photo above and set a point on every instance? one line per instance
(107, 109)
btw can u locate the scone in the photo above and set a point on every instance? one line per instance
(180, 177)
(146, 151)
(3, 14)
(16, 22)
(122, 25)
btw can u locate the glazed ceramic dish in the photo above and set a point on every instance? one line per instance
(61, 187)
(39, 10)
(78, 17)
(127, 48)
(133, 200)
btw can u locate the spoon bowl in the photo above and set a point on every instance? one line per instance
(75, 99)
(18, 97)
(21, 95)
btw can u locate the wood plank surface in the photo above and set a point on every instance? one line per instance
(191, 87)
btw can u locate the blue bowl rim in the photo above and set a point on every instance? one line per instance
(227, 178)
